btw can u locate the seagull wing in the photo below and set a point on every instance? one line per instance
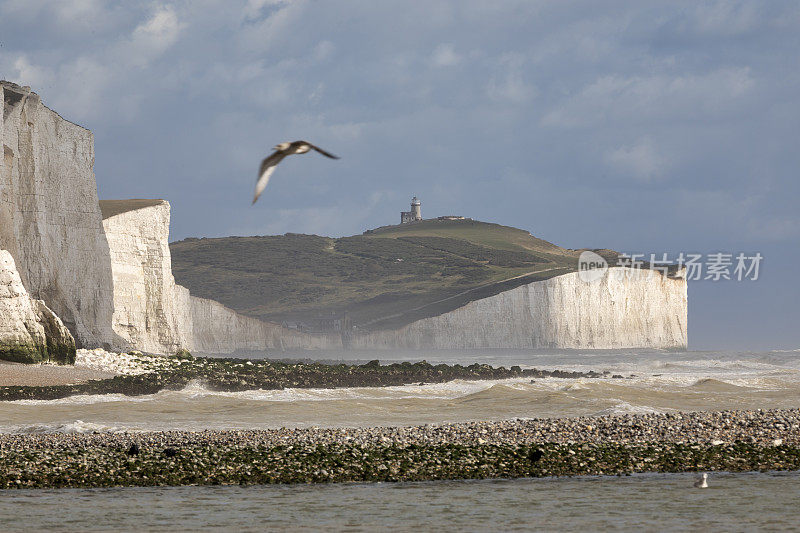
(323, 152)
(265, 172)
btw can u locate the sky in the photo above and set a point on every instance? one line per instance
(660, 127)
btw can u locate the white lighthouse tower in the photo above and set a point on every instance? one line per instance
(414, 215)
(416, 210)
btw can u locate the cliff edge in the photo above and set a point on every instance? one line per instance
(50, 217)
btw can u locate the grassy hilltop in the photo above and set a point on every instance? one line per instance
(384, 278)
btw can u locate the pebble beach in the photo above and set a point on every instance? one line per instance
(733, 441)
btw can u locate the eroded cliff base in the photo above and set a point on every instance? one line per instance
(29, 331)
(63, 354)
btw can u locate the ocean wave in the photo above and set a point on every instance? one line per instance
(87, 399)
(498, 391)
(576, 385)
(77, 426)
(197, 389)
(715, 385)
(434, 391)
(736, 365)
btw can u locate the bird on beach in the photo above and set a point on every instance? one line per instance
(282, 150)
(701, 482)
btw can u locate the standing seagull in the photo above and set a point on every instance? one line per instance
(702, 482)
(282, 150)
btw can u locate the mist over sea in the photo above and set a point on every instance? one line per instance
(651, 381)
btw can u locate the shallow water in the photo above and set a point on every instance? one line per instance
(663, 502)
(661, 382)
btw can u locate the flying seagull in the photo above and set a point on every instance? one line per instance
(282, 150)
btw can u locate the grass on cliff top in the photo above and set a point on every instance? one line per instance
(485, 234)
(384, 278)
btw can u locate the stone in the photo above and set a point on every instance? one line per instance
(49, 214)
(29, 331)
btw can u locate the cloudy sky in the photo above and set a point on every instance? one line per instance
(639, 126)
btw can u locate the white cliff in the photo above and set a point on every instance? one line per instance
(153, 314)
(619, 310)
(29, 331)
(49, 215)
(623, 309)
(218, 329)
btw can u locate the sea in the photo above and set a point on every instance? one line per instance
(645, 382)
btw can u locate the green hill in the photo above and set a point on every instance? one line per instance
(384, 278)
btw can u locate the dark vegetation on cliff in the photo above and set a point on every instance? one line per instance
(52, 352)
(383, 278)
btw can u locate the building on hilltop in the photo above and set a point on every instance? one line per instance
(406, 217)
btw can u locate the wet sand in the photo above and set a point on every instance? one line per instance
(22, 375)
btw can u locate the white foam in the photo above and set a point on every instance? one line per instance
(624, 408)
(197, 389)
(77, 426)
(443, 391)
(88, 399)
(576, 385)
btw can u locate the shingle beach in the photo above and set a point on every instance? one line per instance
(608, 445)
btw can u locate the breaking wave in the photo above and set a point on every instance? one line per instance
(715, 385)
(77, 426)
(654, 382)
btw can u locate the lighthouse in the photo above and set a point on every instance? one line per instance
(414, 215)
(416, 209)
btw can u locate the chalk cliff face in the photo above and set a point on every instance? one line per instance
(623, 309)
(218, 329)
(49, 214)
(619, 310)
(153, 314)
(29, 331)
